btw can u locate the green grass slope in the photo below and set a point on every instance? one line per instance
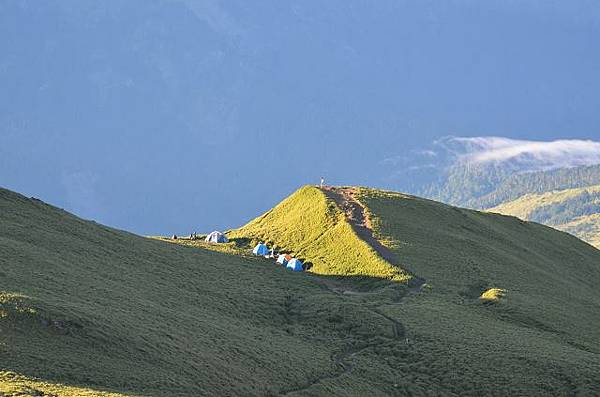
(88, 309)
(576, 211)
(509, 308)
(543, 326)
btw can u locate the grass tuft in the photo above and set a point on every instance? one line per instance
(493, 295)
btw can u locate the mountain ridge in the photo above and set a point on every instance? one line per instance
(498, 188)
(576, 211)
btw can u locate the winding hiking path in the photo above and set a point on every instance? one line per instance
(355, 215)
(343, 359)
(361, 224)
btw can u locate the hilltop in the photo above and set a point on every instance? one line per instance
(314, 228)
(405, 296)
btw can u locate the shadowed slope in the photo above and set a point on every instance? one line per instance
(549, 282)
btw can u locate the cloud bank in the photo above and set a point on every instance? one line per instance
(417, 168)
(526, 155)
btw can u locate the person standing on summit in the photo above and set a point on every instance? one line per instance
(322, 182)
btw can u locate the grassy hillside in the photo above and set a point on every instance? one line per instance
(85, 307)
(576, 211)
(543, 328)
(496, 287)
(509, 307)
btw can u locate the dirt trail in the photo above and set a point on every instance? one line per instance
(360, 222)
(343, 359)
(345, 198)
(355, 214)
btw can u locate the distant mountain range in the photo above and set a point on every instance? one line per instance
(565, 198)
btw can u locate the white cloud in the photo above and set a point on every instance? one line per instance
(428, 165)
(528, 155)
(428, 153)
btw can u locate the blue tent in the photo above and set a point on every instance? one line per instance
(295, 265)
(282, 260)
(260, 249)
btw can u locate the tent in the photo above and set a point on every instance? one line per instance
(295, 265)
(261, 249)
(216, 237)
(283, 259)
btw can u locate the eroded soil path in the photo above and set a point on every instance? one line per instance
(355, 215)
(345, 198)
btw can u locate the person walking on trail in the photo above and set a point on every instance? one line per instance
(322, 182)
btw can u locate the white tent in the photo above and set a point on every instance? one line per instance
(216, 237)
(295, 265)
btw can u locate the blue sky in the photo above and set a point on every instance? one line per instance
(162, 116)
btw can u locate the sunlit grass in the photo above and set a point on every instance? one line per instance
(493, 295)
(14, 304)
(13, 385)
